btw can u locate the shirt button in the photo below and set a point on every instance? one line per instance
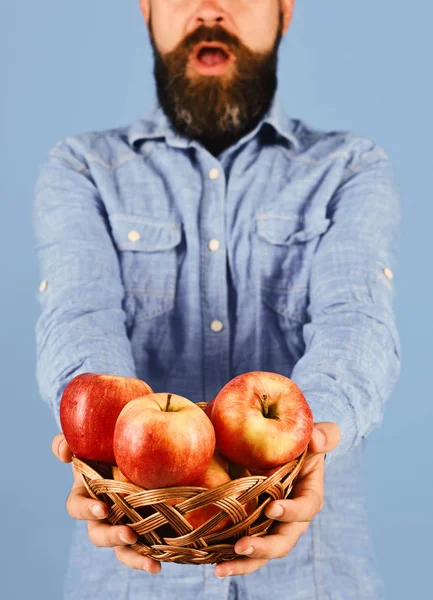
(388, 273)
(133, 236)
(214, 173)
(213, 245)
(216, 325)
(43, 285)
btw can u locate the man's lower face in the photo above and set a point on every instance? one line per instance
(213, 88)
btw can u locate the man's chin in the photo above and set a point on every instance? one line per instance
(215, 114)
(212, 122)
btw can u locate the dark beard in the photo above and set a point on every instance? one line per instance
(215, 110)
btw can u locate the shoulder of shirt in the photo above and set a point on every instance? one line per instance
(111, 147)
(108, 147)
(315, 144)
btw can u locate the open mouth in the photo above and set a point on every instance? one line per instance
(213, 54)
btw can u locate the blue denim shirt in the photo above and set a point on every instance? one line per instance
(163, 262)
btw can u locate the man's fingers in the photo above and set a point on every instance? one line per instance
(134, 560)
(61, 449)
(80, 506)
(300, 509)
(326, 436)
(261, 549)
(104, 534)
(270, 546)
(239, 566)
(307, 495)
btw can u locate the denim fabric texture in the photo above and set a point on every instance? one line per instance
(163, 262)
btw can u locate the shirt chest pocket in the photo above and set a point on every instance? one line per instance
(148, 256)
(286, 248)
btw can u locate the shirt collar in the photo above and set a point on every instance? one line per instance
(155, 124)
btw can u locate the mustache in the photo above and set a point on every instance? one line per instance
(216, 33)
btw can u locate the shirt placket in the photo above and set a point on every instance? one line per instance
(213, 281)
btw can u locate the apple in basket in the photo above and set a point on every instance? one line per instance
(218, 472)
(119, 476)
(261, 420)
(89, 408)
(163, 440)
(208, 408)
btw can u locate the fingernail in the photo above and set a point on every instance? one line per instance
(97, 510)
(223, 576)
(248, 551)
(125, 538)
(275, 511)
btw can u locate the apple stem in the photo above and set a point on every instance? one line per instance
(264, 400)
(168, 402)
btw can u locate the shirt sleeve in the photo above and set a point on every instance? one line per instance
(352, 347)
(81, 326)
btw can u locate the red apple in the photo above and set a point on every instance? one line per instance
(89, 408)
(118, 475)
(215, 474)
(163, 440)
(209, 407)
(218, 472)
(261, 420)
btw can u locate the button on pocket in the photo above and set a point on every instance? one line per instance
(286, 249)
(147, 250)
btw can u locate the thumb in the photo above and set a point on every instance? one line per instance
(326, 436)
(60, 448)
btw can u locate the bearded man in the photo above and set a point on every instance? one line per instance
(212, 237)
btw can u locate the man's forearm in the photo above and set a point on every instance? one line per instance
(81, 327)
(352, 347)
(349, 370)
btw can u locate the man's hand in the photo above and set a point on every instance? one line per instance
(294, 514)
(81, 506)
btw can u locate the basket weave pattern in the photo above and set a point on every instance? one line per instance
(163, 532)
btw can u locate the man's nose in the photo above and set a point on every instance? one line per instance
(209, 13)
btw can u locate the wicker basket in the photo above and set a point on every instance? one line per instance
(165, 535)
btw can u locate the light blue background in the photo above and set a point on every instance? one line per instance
(68, 67)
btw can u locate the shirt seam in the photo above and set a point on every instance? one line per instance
(142, 220)
(124, 159)
(91, 158)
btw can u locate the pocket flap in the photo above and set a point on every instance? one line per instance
(144, 235)
(289, 230)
